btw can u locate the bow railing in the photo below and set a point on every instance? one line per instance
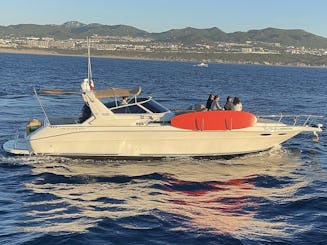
(305, 119)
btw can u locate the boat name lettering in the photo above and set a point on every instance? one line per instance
(141, 123)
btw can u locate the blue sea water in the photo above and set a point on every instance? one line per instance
(273, 197)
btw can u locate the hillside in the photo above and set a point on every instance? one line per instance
(72, 29)
(285, 37)
(189, 35)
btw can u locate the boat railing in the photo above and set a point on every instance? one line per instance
(19, 135)
(305, 119)
(47, 121)
(16, 137)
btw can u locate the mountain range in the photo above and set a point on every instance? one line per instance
(189, 35)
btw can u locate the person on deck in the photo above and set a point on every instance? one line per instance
(215, 104)
(229, 103)
(124, 101)
(237, 104)
(209, 102)
(86, 113)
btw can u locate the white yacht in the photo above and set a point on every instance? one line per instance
(142, 128)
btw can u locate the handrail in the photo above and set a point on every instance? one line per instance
(42, 107)
(16, 137)
(296, 117)
(291, 115)
(130, 103)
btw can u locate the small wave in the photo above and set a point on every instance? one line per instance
(52, 178)
(270, 181)
(19, 160)
(307, 202)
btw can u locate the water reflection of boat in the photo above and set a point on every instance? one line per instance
(144, 128)
(195, 194)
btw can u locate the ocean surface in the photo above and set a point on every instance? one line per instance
(273, 197)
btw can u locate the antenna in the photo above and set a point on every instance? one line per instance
(89, 67)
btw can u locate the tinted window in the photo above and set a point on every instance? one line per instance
(154, 106)
(129, 109)
(110, 104)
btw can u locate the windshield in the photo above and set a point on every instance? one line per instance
(137, 106)
(135, 109)
(154, 106)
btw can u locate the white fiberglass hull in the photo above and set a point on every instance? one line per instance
(157, 140)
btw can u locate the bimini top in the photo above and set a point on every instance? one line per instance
(117, 92)
(105, 93)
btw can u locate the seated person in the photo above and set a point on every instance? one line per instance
(237, 104)
(215, 104)
(209, 102)
(124, 101)
(229, 103)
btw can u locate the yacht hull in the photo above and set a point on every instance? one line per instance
(156, 141)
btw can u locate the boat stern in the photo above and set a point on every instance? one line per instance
(17, 147)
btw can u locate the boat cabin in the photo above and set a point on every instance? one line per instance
(105, 107)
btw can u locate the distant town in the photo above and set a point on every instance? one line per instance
(137, 47)
(113, 43)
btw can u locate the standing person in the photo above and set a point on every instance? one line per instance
(237, 104)
(215, 104)
(209, 102)
(229, 103)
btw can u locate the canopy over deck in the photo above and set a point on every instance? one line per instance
(117, 92)
(105, 93)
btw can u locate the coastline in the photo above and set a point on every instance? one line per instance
(155, 57)
(34, 52)
(54, 53)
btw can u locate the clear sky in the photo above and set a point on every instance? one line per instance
(163, 15)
